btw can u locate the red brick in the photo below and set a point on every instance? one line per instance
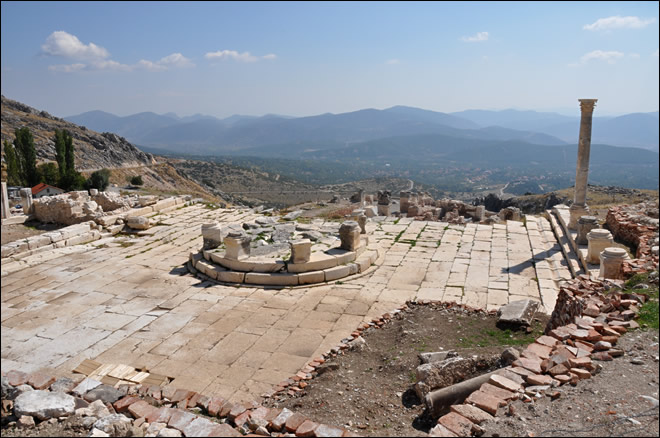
(214, 406)
(294, 422)
(563, 378)
(485, 401)
(530, 364)
(17, 378)
(607, 331)
(242, 419)
(582, 374)
(504, 383)
(224, 430)
(542, 351)
(180, 419)
(558, 369)
(561, 335)
(181, 394)
(540, 379)
(140, 409)
(192, 402)
(611, 339)
(601, 355)
(168, 392)
(306, 429)
(581, 362)
(472, 413)
(547, 340)
(160, 415)
(235, 411)
(498, 392)
(40, 380)
(456, 423)
(278, 422)
(584, 346)
(122, 404)
(225, 409)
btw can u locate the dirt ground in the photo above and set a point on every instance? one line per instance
(14, 232)
(371, 391)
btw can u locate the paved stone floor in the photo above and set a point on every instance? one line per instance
(135, 304)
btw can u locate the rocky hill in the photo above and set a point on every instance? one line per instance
(92, 150)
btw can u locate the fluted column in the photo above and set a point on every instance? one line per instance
(579, 207)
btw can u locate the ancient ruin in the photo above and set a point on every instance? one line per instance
(579, 207)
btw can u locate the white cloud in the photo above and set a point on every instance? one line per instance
(176, 60)
(270, 56)
(150, 65)
(480, 36)
(634, 55)
(618, 22)
(392, 61)
(67, 68)
(231, 54)
(64, 44)
(610, 57)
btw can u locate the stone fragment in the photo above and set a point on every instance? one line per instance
(87, 384)
(140, 409)
(441, 431)
(63, 384)
(16, 378)
(518, 312)
(180, 419)
(529, 364)
(154, 429)
(224, 430)
(281, 419)
(504, 383)
(25, 421)
(547, 340)
(456, 423)
(582, 374)
(540, 380)
(601, 356)
(40, 380)
(44, 405)
(105, 393)
(558, 369)
(294, 421)
(122, 404)
(214, 406)
(306, 429)
(542, 351)
(98, 433)
(485, 401)
(115, 425)
(602, 346)
(497, 392)
(510, 355)
(168, 432)
(323, 430)
(200, 427)
(138, 222)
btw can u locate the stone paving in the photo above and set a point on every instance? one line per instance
(136, 304)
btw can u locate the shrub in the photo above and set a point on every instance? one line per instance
(137, 180)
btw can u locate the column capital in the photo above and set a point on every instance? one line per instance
(587, 105)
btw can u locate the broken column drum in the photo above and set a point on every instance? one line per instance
(384, 202)
(213, 235)
(579, 207)
(26, 199)
(611, 263)
(301, 250)
(598, 239)
(362, 221)
(349, 234)
(585, 225)
(404, 202)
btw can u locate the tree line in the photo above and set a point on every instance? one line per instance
(22, 168)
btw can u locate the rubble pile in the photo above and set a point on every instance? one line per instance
(636, 225)
(76, 207)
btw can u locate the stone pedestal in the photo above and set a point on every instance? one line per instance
(370, 211)
(349, 233)
(383, 210)
(362, 221)
(479, 213)
(26, 200)
(5, 202)
(301, 250)
(577, 211)
(213, 235)
(611, 263)
(598, 239)
(237, 246)
(585, 225)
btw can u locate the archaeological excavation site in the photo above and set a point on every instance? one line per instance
(140, 315)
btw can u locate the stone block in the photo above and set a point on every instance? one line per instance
(317, 262)
(518, 312)
(44, 405)
(456, 423)
(336, 273)
(138, 222)
(349, 234)
(472, 413)
(287, 279)
(231, 277)
(237, 246)
(311, 277)
(301, 250)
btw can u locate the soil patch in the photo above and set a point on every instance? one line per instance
(11, 233)
(371, 391)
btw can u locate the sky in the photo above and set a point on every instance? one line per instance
(301, 59)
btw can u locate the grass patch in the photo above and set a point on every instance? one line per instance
(495, 337)
(649, 312)
(396, 239)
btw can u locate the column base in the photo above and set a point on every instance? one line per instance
(576, 212)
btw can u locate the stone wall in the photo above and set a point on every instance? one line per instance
(637, 226)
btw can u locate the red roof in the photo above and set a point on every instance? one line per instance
(41, 186)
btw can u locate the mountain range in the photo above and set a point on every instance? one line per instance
(207, 135)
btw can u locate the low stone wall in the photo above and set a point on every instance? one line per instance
(636, 225)
(67, 236)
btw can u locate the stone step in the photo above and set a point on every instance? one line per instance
(558, 223)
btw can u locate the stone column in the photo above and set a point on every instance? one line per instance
(611, 263)
(579, 207)
(598, 239)
(585, 225)
(5, 202)
(26, 200)
(384, 202)
(213, 235)
(362, 221)
(404, 201)
(349, 233)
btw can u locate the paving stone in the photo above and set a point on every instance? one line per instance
(44, 405)
(472, 413)
(456, 423)
(279, 421)
(17, 378)
(87, 384)
(200, 427)
(141, 409)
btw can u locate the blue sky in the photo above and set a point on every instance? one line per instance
(310, 58)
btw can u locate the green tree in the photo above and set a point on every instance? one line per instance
(99, 180)
(48, 173)
(27, 156)
(137, 180)
(60, 140)
(13, 169)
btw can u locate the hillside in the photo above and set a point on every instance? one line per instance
(92, 150)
